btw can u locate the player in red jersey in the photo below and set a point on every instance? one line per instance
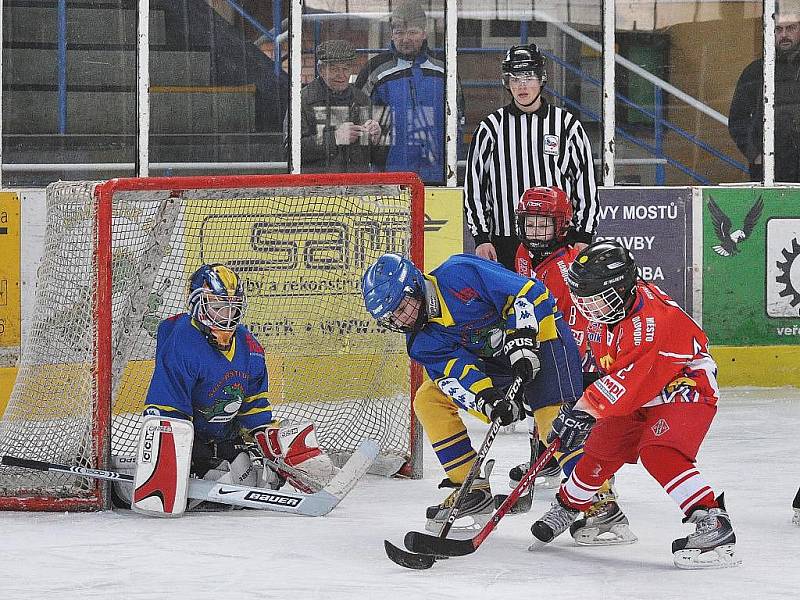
(654, 403)
(543, 218)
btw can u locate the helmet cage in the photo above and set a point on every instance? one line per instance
(400, 319)
(217, 312)
(606, 306)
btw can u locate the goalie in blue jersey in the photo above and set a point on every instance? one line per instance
(211, 370)
(473, 325)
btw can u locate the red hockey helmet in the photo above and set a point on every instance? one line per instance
(549, 202)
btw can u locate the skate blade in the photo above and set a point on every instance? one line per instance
(537, 545)
(619, 535)
(720, 557)
(463, 528)
(546, 482)
(796, 518)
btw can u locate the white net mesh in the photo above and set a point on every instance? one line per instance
(300, 251)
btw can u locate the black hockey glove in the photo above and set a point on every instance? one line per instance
(522, 349)
(572, 427)
(492, 402)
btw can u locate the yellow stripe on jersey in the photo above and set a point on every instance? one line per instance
(255, 397)
(255, 410)
(166, 408)
(446, 318)
(449, 366)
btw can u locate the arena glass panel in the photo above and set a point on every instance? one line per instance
(219, 88)
(69, 90)
(674, 94)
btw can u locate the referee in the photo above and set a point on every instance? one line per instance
(527, 143)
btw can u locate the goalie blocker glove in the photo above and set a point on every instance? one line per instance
(522, 349)
(572, 427)
(492, 402)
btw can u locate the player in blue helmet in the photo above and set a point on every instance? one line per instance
(393, 289)
(210, 369)
(473, 325)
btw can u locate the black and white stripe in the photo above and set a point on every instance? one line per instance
(507, 156)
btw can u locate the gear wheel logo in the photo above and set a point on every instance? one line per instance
(790, 265)
(783, 268)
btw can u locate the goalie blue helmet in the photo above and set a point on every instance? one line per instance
(394, 293)
(216, 299)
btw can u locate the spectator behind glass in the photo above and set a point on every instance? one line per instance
(411, 81)
(745, 121)
(338, 134)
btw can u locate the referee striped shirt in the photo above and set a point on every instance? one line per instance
(512, 151)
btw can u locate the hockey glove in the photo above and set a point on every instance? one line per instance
(572, 427)
(522, 349)
(492, 402)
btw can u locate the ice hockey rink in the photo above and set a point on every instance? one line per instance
(751, 453)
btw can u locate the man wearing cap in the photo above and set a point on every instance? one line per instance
(411, 81)
(338, 134)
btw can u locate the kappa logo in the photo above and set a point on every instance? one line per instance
(660, 428)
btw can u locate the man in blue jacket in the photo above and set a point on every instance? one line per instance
(411, 81)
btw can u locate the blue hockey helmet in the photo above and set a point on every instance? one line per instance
(386, 283)
(216, 298)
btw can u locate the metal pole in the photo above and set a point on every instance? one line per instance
(768, 159)
(143, 88)
(451, 89)
(609, 108)
(295, 68)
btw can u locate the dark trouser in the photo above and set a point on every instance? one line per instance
(506, 248)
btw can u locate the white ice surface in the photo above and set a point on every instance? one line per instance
(751, 453)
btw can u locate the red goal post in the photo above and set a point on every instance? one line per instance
(116, 261)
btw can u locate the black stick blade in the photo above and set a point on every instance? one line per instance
(409, 560)
(425, 544)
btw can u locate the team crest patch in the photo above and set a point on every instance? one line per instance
(660, 428)
(550, 144)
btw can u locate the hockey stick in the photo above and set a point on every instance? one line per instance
(432, 545)
(312, 505)
(525, 501)
(425, 561)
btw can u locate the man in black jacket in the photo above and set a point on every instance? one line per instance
(747, 107)
(338, 133)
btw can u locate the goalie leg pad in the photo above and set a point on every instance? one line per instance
(162, 466)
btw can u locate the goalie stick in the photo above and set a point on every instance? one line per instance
(433, 547)
(312, 505)
(412, 560)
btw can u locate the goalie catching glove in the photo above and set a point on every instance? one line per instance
(493, 403)
(293, 451)
(522, 349)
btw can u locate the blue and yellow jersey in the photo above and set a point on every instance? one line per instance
(221, 392)
(480, 301)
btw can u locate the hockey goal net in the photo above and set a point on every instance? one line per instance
(117, 258)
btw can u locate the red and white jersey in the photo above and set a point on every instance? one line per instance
(552, 271)
(656, 355)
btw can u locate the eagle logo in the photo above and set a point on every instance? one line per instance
(729, 241)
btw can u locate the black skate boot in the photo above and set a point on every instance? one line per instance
(796, 507)
(478, 505)
(552, 523)
(548, 478)
(604, 524)
(712, 544)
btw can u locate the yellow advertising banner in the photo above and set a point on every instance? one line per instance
(444, 225)
(9, 269)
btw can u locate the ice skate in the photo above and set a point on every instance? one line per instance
(552, 523)
(548, 478)
(478, 506)
(604, 524)
(712, 544)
